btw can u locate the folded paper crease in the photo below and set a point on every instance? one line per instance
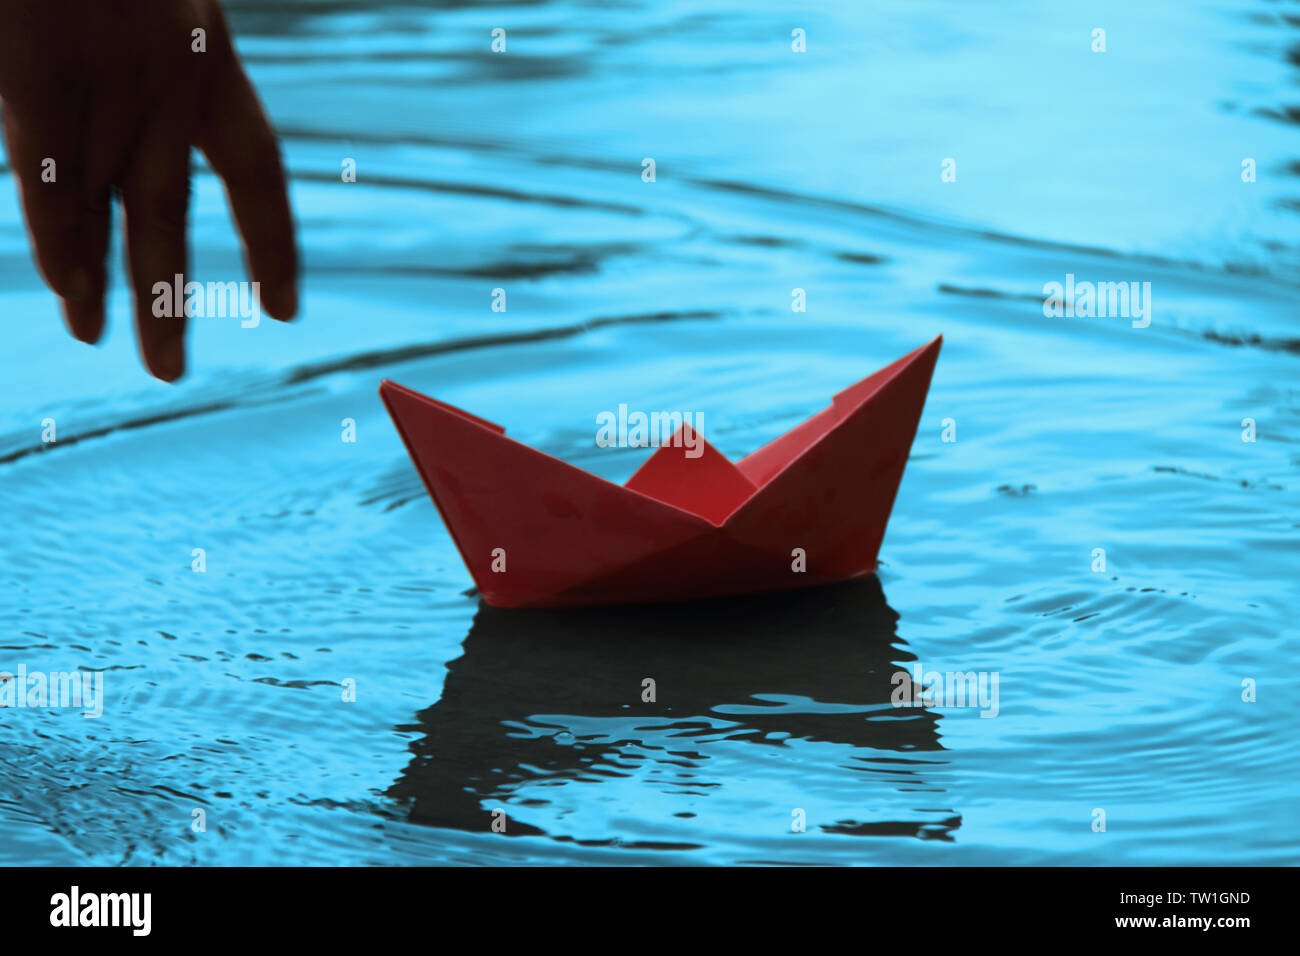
(809, 507)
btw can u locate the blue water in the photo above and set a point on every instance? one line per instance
(327, 566)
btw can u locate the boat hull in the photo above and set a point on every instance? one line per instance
(808, 509)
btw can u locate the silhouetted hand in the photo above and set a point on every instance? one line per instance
(102, 96)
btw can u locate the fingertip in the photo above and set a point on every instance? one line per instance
(166, 360)
(280, 300)
(84, 319)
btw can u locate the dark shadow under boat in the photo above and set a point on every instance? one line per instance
(529, 678)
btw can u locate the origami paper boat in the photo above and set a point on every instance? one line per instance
(808, 508)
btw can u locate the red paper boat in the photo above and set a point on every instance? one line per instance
(808, 508)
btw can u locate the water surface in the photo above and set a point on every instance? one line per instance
(326, 563)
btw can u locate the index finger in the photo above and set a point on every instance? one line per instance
(238, 141)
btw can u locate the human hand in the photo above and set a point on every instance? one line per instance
(115, 94)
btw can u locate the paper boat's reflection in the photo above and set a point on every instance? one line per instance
(773, 669)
